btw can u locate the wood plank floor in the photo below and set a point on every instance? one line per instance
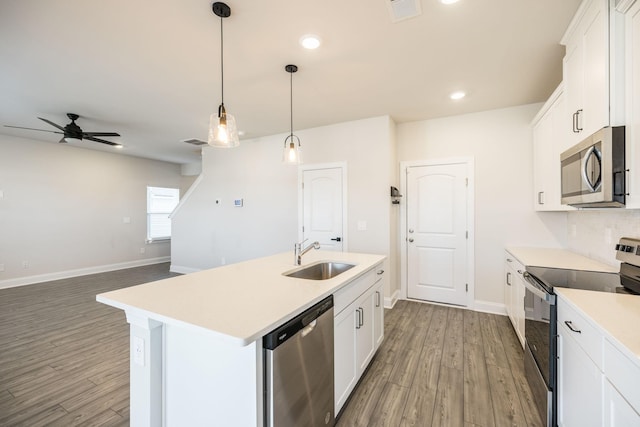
(64, 361)
(443, 366)
(64, 358)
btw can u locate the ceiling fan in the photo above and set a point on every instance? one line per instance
(73, 131)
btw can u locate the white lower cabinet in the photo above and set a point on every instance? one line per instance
(597, 382)
(579, 384)
(514, 294)
(358, 332)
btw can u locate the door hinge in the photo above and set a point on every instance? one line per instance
(466, 287)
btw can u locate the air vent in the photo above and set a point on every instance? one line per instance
(194, 141)
(403, 9)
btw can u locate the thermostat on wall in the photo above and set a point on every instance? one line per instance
(238, 203)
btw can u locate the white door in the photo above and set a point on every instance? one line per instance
(322, 207)
(437, 233)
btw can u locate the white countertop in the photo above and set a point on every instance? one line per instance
(558, 258)
(238, 303)
(616, 314)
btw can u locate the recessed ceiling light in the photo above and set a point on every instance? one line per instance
(310, 41)
(457, 95)
(448, 1)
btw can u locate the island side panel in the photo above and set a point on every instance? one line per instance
(209, 382)
(145, 362)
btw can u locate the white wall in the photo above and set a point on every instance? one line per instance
(500, 143)
(205, 233)
(598, 231)
(63, 209)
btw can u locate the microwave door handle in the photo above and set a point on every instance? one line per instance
(585, 163)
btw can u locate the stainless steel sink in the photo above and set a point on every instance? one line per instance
(320, 271)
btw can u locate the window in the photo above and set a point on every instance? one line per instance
(160, 203)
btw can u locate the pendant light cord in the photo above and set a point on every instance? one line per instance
(222, 60)
(291, 99)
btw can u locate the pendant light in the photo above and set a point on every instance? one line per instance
(292, 151)
(222, 126)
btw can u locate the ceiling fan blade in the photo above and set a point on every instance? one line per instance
(88, 134)
(91, 138)
(40, 130)
(52, 124)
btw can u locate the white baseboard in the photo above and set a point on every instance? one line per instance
(389, 302)
(490, 307)
(30, 280)
(183, 270)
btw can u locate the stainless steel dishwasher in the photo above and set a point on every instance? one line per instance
(298, 360)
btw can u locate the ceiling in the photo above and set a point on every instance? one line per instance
(150, 70)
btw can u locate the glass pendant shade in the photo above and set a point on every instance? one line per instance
(292, 153)
(222, 130)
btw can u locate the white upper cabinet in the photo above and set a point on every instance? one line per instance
(631, 11)
(591, 69)
(550, 138)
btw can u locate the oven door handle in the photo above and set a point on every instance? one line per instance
(534, 289)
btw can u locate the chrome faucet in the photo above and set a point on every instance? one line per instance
(298, 251)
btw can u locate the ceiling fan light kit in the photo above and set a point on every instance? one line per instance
(292, 153)
(223, 131)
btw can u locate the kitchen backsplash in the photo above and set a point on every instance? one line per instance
(594, 233)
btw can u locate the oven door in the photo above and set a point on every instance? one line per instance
(540, 349)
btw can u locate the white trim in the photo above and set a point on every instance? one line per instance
(469, 161)
(623, 6)
(390, 302)
(183, 270)
(30, 280)
(318, 166)
(188, 194)
(490, 307)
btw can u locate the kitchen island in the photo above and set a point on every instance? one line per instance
(196, 348)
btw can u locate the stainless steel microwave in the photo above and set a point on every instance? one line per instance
(593, 171)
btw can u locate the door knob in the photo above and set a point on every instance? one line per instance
(337, 239)
(411, 230)
(410, 239)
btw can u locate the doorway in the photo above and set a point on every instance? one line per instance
(322, 205)
(437, 228)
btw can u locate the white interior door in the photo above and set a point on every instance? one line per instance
(322, 210)
(437, 233)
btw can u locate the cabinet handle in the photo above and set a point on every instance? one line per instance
(509, 260)
(377, 299)
(541, 197)
(358, 318)
(380, 272)
(519, 271)
(361, 316)
(578, 128)
(508, 278)
(574, 124)
(570, 326)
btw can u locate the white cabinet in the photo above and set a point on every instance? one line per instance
(632, 101)
(597, 381)
(514, 294)
(594, 49)
(579, 377)
(358, 330)
(550, 138)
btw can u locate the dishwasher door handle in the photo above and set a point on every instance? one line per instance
(309, 328)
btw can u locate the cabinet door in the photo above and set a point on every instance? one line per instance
(364, 330)
(378, 314)
(542, 159)
(579, 385)
(632, 46)
(344, 349)
(509, 276)
(617, 411)
(586, 72)
(518, 305)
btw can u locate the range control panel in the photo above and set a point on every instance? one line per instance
(628, 250)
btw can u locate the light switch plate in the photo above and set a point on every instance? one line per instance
(138, 351)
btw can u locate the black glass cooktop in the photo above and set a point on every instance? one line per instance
(577, 279)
